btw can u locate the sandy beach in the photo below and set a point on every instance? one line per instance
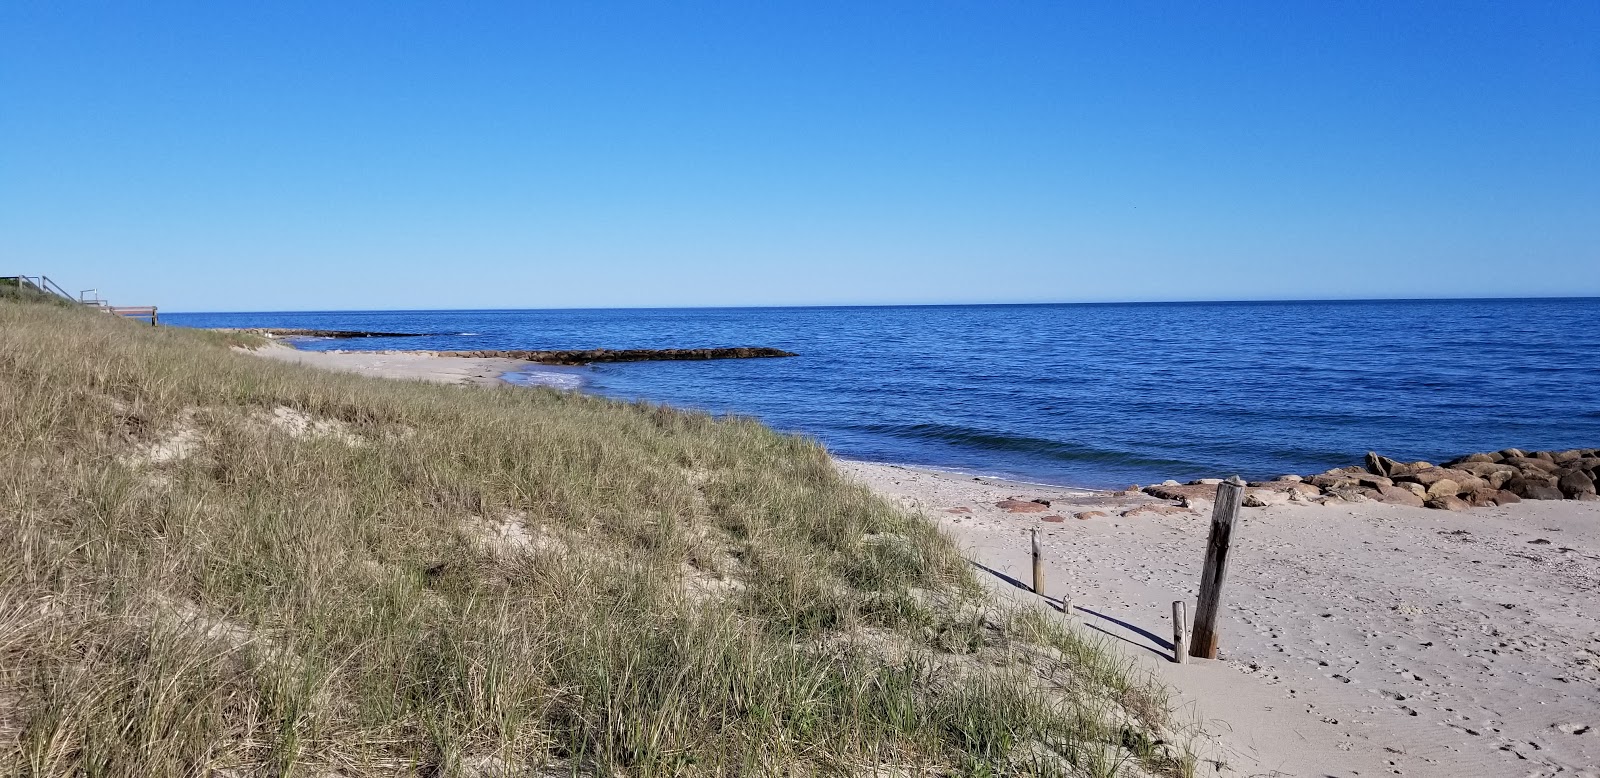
(1362, 639)
(403, 365)
(1358, 639)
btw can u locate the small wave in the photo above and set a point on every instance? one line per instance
(553, 379)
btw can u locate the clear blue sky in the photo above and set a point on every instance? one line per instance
(266, 156)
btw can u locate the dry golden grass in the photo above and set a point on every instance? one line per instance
(213, 564)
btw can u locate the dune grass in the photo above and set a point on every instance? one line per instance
(213, 564)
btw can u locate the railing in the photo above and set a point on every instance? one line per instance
(41, 284)
(44, 285)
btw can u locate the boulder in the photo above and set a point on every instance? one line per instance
(1290, 478)
(1467, 481)
(1504, 497)
(1482, 497)
(1563, 457)
(1379, 465)
(1471, 459)
(1348, 494)
(1451, 503)
(1484, 469)
(1396, 495)
(1181, 491)
(1444, 487)
(1545, 455)
(1510, 453)
(1205, 482)
(1261, 498)
(1332, 481)
(1525, 464)
(1417, 489)
(1409, 467)
(1373, 481)
(1575, 483)
(1534, 487)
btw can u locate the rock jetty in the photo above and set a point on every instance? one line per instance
(592, 356)
(1475, 480)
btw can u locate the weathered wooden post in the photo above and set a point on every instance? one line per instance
(1038, 565)
(1180, 639)
(1230, 494)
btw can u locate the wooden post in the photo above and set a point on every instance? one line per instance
(1038, 565)
(1180, 649)
(1229, 494)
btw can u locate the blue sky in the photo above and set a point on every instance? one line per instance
(279, 156)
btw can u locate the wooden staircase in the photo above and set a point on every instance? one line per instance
(41, 284)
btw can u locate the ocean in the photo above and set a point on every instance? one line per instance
(1093, 395)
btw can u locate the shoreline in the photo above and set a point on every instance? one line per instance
(1358, 638)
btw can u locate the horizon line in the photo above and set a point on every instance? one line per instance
(1259, 301)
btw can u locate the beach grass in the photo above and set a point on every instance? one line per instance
(213, 564)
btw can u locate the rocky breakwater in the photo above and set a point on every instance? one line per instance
(1472, 481)
(597, 355)
(1496, 478)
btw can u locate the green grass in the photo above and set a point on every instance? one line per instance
(398, 578)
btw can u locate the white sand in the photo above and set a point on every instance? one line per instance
(1364, 639)
(405, 365)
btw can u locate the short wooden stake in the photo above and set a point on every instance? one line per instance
(1230, 494)
(1038, 565)
(1180, 649)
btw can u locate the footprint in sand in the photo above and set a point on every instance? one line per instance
(1572, 728)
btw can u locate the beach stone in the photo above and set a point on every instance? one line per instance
(1484, 469)
(1396, 495)
(1181, 491)
(1527, 464)
(1332, 481)
(1576, 483)
(1291, 478)
(1444, 487)
(1482, 497)
(1504, 497)
(1563, 457)
(1588, 497)
(1373, 481)
(1020, 506)
(1052, 518)
(1545, 455)
(1511, 453)
(1534, 490)
(1379, 465)
(1450, 503)
(1263, 498)
(1087, 515)
(1347, 494)
(1415, 488)
(1205, 482)
(961, 509)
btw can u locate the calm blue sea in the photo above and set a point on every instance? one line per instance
(1084, 395)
